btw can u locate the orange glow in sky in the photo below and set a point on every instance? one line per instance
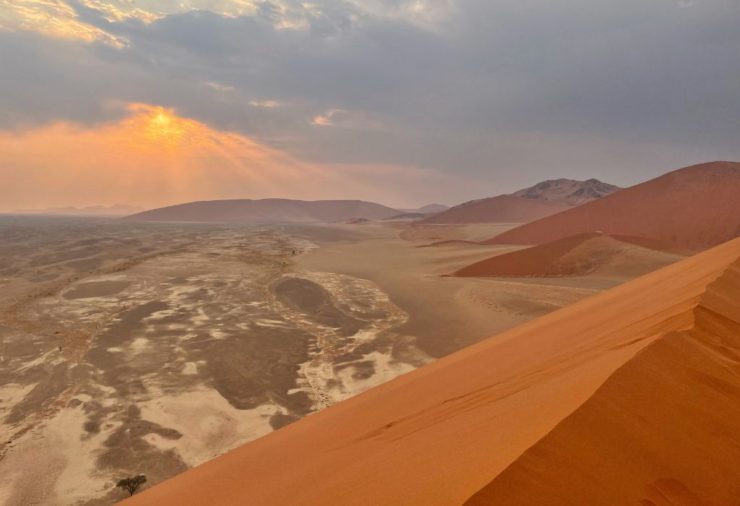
(155, 157)
(153, 128)
(163, 126)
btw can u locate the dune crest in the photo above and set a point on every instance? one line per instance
(662, 430)
(441, 434)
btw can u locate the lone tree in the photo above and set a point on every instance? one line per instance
(131, 485)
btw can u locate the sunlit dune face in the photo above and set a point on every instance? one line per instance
(154, 156)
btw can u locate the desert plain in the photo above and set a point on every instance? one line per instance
(152, 348)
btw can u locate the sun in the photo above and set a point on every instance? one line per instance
(163, 125)
(159, 130)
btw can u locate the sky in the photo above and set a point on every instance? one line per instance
(404, 102)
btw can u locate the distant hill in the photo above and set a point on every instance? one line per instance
(268, 211)
(579, 255)
(690, 209)
(530, 204)
(568, 191)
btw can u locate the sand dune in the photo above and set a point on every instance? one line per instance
(547, 389)
(579, 255)
(692, 208)
(268, 211)
(530, 204)
(662, 430)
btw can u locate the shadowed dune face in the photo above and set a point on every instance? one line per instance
(580, 255)
(441, 434)
(690, 209)
(662, 430)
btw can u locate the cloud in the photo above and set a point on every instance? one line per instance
(500, 92)
(54, 18)
(87, 20)
(153, 157)
(270, 104)
(327, 118)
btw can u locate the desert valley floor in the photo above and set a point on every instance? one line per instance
(152, 348)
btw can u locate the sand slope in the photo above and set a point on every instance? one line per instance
(663, 430)
(578, 255)
(440, 434)
(691, 208)
(268, 211)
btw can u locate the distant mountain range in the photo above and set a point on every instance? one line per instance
(568, 192)
(538, 201)
(530, 204)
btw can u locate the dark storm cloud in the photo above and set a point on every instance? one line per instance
(513, 89)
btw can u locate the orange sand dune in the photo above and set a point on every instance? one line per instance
(441, 434)
(662, 430)
(691, 208)
(578, 255)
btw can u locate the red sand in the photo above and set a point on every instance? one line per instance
(577, 255)
(691, 209)
(662, 430)
(501, 209)
(441, 434)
